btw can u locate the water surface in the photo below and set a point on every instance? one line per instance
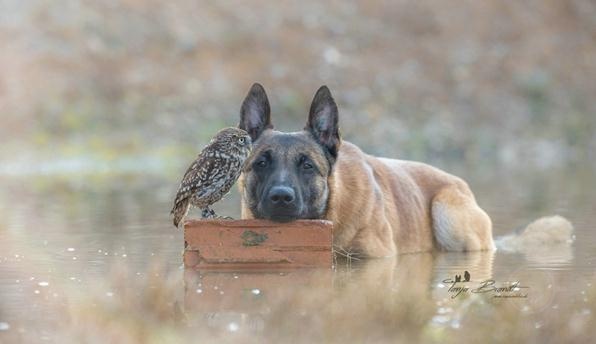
(79, 254)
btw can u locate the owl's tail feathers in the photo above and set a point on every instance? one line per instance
(179, 211)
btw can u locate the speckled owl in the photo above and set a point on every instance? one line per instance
(213, 173)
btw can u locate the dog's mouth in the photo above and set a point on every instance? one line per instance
(278, 214)
(283, 217)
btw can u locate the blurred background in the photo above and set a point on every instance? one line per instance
(141, 85)
(103, 104)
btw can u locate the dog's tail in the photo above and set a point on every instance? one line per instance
(541, 235)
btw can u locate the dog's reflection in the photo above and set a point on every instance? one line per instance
(251, 301)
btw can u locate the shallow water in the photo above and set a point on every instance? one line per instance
(69, 241)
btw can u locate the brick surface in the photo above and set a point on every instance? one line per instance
(257, 244)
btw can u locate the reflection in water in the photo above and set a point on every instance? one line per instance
(77, 256)
(250, 301)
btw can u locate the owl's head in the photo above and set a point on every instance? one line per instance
(232, 139)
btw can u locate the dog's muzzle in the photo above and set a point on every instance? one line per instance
(281, 204)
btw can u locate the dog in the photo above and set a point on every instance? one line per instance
(380, 207)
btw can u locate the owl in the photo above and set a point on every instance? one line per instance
(213, 173)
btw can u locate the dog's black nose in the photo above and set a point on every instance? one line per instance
(282, 195)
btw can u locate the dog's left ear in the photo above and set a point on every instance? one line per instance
(323, 122)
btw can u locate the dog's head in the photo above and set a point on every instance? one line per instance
(286, 176)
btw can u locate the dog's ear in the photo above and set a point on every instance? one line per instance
(323, 122)
(255, 113)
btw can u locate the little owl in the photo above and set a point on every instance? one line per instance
(213, 173)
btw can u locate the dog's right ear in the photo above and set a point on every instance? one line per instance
(255, 113)
(323, 122)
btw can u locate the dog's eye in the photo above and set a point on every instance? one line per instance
(262, 163)
(307, 166)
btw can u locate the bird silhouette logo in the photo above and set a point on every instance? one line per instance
(466, 277)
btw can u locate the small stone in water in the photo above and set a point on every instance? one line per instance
(4, 326)
(70, 249)
(199, 291)
(110, 294)
(36, 291)
(255, 291)
(43, 284)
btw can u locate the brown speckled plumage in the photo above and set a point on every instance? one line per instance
(213, 173)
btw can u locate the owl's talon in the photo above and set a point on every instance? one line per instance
(208, 213)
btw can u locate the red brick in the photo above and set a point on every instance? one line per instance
(257, 244)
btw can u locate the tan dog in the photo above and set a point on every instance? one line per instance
(380, 207)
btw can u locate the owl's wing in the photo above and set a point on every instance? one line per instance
(210, 186)
(203, 177)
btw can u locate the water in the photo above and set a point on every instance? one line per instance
(92, 256)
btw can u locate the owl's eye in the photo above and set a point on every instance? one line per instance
(241, 140)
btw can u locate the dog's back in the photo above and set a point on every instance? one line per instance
(385, 206)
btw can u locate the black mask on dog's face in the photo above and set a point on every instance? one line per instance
(285, 178)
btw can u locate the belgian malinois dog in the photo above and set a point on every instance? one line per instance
(380, 207)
